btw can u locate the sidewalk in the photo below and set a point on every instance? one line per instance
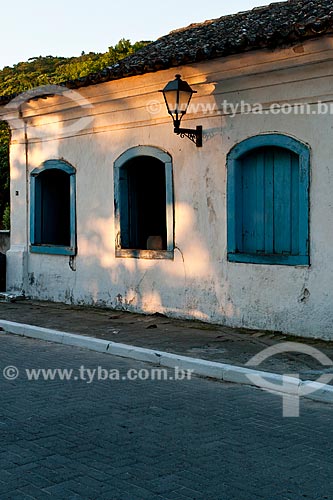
(186, 338)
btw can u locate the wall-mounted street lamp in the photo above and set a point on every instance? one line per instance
(177, 95)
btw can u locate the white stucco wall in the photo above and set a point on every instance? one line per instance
(199, 282)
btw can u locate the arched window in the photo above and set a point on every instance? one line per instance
(144, 204)
(52, 209)
(268, 201)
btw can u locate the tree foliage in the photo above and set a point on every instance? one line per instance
(54, 70)
(4, 174)
(39, 71)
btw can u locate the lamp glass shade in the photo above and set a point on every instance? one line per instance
(177, 96)
(171, 99)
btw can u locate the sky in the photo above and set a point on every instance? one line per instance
(68, 27)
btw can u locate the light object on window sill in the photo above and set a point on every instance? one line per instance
(154, 243)
(177, 95)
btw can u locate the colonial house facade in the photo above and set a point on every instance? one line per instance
(110, 207)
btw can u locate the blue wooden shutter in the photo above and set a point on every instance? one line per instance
(269, 193)
(124, 207)
(37, 213)
(268, 201)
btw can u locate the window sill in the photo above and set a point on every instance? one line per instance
(283, 260)
(144, 254)
(52, 250)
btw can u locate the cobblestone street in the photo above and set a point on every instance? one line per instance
(149, 439)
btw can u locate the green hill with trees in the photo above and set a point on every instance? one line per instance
(39, 71)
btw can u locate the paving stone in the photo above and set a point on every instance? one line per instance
(19, 495)
(35, 492)
(61, 492)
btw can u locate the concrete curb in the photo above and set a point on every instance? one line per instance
(221, 371)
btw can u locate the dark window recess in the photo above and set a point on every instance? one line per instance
(143, 204)
(53, 208)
